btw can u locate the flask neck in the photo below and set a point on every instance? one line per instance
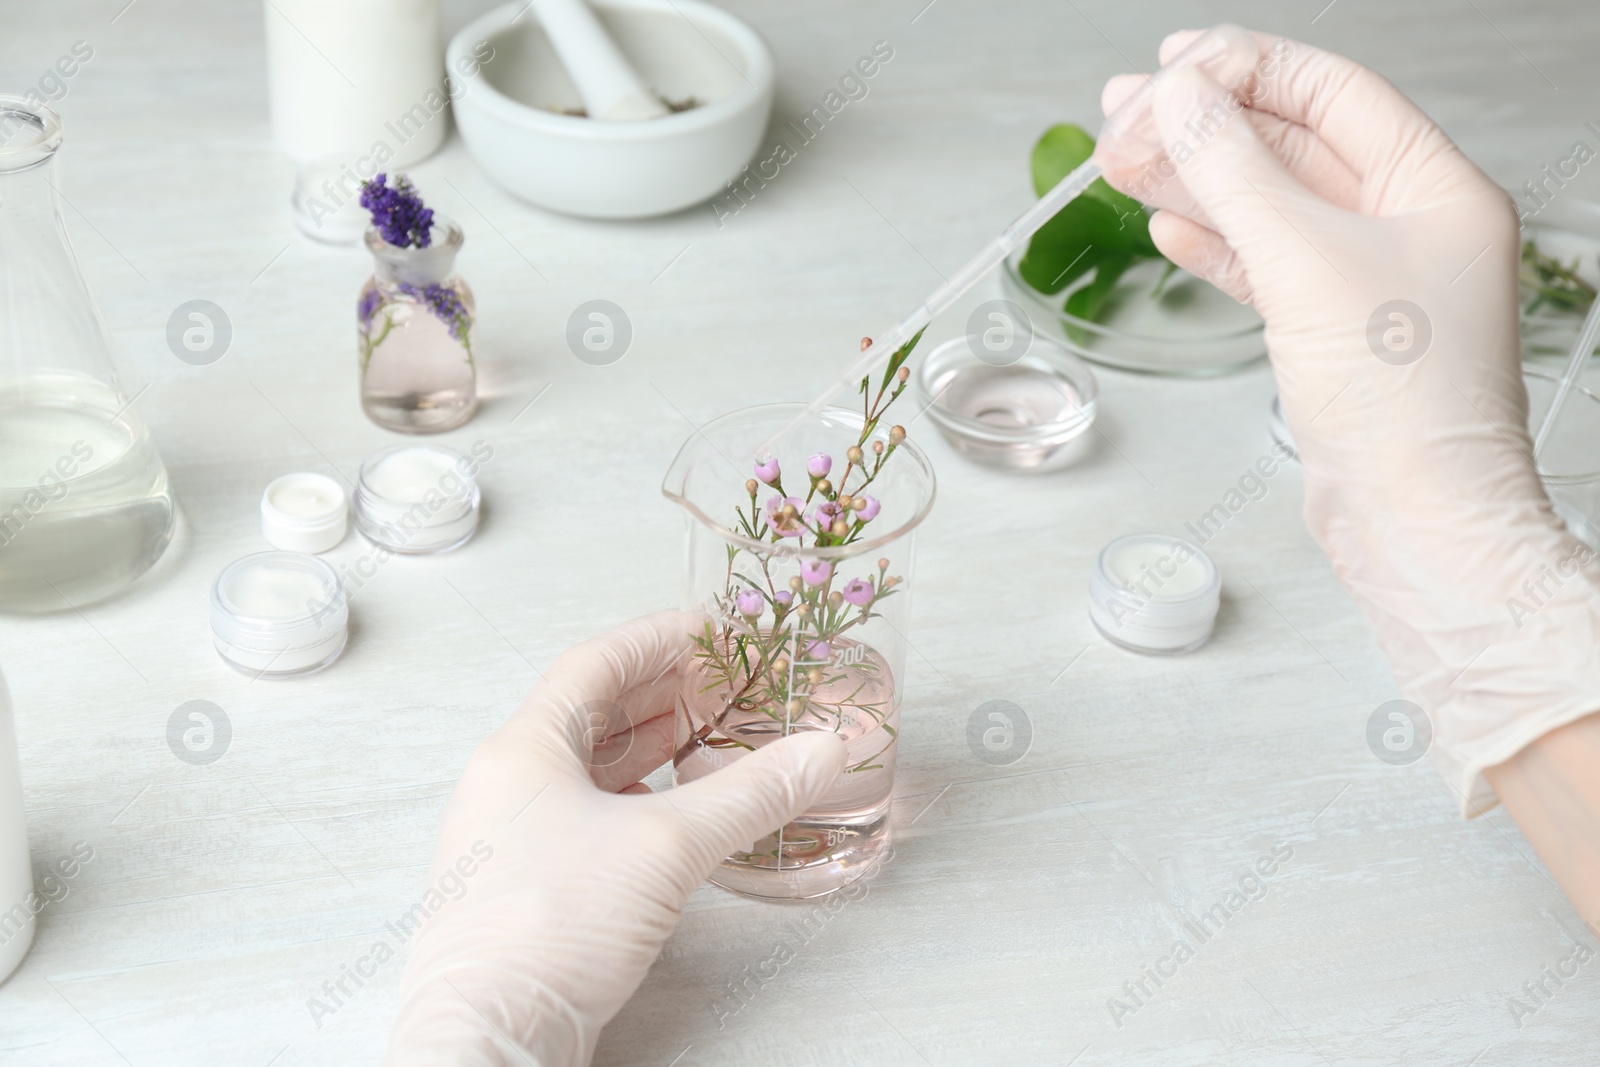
(49, 325)
(420, 267)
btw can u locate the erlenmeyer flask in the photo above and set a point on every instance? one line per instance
(84, 503)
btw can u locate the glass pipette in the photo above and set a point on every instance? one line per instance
(1588, 335)
(1226, 53)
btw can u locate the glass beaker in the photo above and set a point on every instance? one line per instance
(415, 323)
(800, 636)
(85, 507)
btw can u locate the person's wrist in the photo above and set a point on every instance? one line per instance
(485, 1016)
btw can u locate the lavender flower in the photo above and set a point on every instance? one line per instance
(750, 602)
(815, 571)
(858, 591)
(446, 305)
(398, 212)
(819, 465)
(368, 306)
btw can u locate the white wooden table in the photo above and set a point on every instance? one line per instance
(1021, 897)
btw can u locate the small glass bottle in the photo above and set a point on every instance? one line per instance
(415, 322)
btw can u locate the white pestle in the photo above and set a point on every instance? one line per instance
(612, 90)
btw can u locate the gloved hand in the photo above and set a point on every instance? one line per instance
(572, 888)
(1324, 202)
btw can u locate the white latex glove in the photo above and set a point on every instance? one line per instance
(1328, 197)
(573, 889)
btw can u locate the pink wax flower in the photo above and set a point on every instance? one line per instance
(785, 527)
(750, 602)
(819, 651)
(815, 571)
(869, 508)
(819, 465)
(783, 598)
(858, 591)
(827, 511)
(768, 471)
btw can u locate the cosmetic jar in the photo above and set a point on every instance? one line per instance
(1155, 594)
(278, 614)
(304, 512)
(325, 204)
(417, 499)
(1033, 414)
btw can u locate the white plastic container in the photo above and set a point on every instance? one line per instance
(1154, 594)
(346, 76)
(304, 512)
(16, 870)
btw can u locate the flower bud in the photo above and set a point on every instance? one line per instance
(839, 528)
(897, 434)
(866, 343)
(751, 486)
(824, 486)
(877, 448)
(854, 454)
(819, 465)
(780, 666)
(796, 584)
(814, 675)
(883, 563)
(835, 600)
(905, 375)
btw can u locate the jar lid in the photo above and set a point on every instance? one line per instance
(1153, 593)
(304, 512)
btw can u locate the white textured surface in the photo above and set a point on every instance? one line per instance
(1021, 898)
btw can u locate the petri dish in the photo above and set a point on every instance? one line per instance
(1192, 329)
(1567, 229)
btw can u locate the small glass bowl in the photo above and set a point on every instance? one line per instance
(1569, 464)
(278, 615)
(1192, 330)
(1032, 414)
(417, 499)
